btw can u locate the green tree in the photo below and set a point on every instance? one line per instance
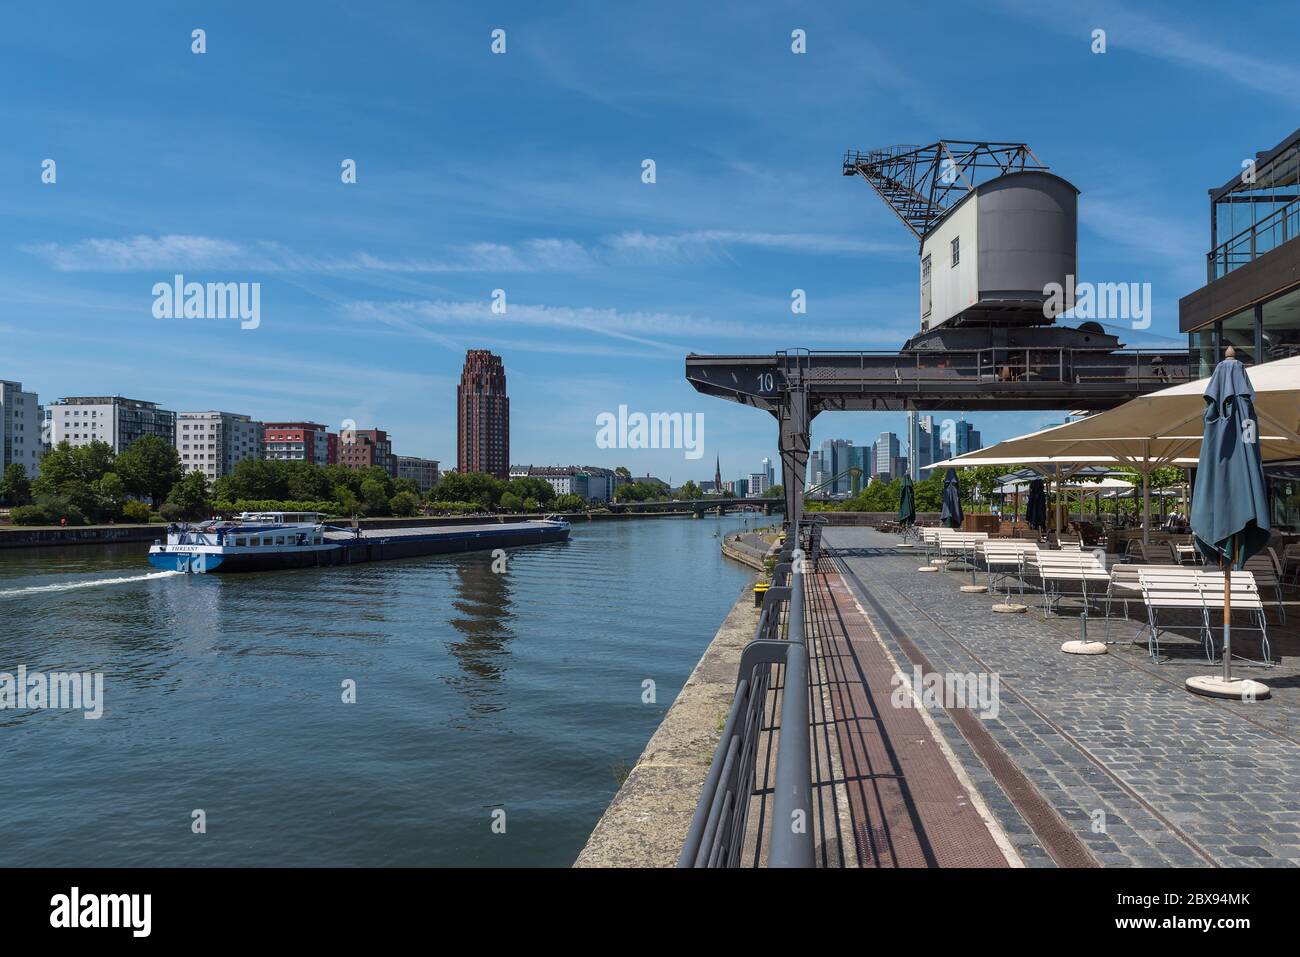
(510, 502)
(477, 487)
(568, 503)
(637, 492)
(188, 499)
(149, 467)
(776, 491)
(374, 497)
(304, 481)
(347, 501)
(406, 485)
(539, 489)
(15, 487)
(982, 482)
(64, 464)
(253, 479)
(404, 503)
(690, 490)
(928, 493)
(110, 494)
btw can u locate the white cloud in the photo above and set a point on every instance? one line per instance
(139, 253)
(146, 253)
(1162, 39)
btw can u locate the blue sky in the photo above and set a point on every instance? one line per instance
(522, 172)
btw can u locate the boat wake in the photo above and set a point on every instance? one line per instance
(70, 586)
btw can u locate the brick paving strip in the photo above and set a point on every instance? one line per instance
(1175, 779)
(1054, 834)
(909, 802)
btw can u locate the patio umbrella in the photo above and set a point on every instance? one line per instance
(1036, 507)
(906, 503)
(1230, 503)
(951, 514)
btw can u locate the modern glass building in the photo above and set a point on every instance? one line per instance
(1251, 298)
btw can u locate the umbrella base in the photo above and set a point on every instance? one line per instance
(927, 568)
(1009, 608)
(974, 589)
(941, 561)
(905, 545)
(1237, 689)
(1084, 647)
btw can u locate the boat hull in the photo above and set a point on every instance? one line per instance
(357, 551)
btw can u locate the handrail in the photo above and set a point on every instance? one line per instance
(1233, 257)
(792, 844)
(716, 836)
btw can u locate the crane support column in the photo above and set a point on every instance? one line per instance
(792, 413)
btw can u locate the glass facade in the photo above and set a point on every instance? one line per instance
(1204, 349)
(1284, 498)
(1256, 215)
(1281, 326)
(1250, 217)
(1239, 332)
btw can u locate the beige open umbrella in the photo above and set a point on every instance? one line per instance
(1154, 431)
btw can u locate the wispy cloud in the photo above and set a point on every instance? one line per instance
(1165, 38)
(649, 329)
(678, 247)
(175, 251)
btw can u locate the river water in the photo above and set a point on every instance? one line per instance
(495, 713)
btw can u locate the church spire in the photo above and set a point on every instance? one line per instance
(717, 476)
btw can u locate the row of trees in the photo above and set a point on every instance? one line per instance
(86, 484)
(89, 483)
(259, 485)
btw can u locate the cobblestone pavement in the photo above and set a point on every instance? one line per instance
(1145, 773)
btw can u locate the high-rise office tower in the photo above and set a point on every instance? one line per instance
(483, 416)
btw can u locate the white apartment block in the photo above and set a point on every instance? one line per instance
(212, 442)
(20, 428)
(758, 484)
(80, 420)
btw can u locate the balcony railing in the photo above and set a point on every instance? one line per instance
(1254, 241)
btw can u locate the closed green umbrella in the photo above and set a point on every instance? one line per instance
(906, 503)
(1036, 509)
(1230, 504)
(951, 514)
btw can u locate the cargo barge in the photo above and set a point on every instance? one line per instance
(267, 541)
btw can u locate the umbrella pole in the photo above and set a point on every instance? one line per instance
(1227, 611)
(1146, 510)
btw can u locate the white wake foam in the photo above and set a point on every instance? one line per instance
(69, 586)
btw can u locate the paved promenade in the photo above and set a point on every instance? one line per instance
(1090, 760)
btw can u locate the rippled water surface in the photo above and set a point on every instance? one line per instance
(475, 691)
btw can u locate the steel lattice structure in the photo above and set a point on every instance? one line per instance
(921, 183)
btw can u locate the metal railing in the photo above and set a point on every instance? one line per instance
(1254, 241)
(719, 828)
(1060, 364)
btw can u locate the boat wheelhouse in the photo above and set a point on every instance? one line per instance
(254, 541)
